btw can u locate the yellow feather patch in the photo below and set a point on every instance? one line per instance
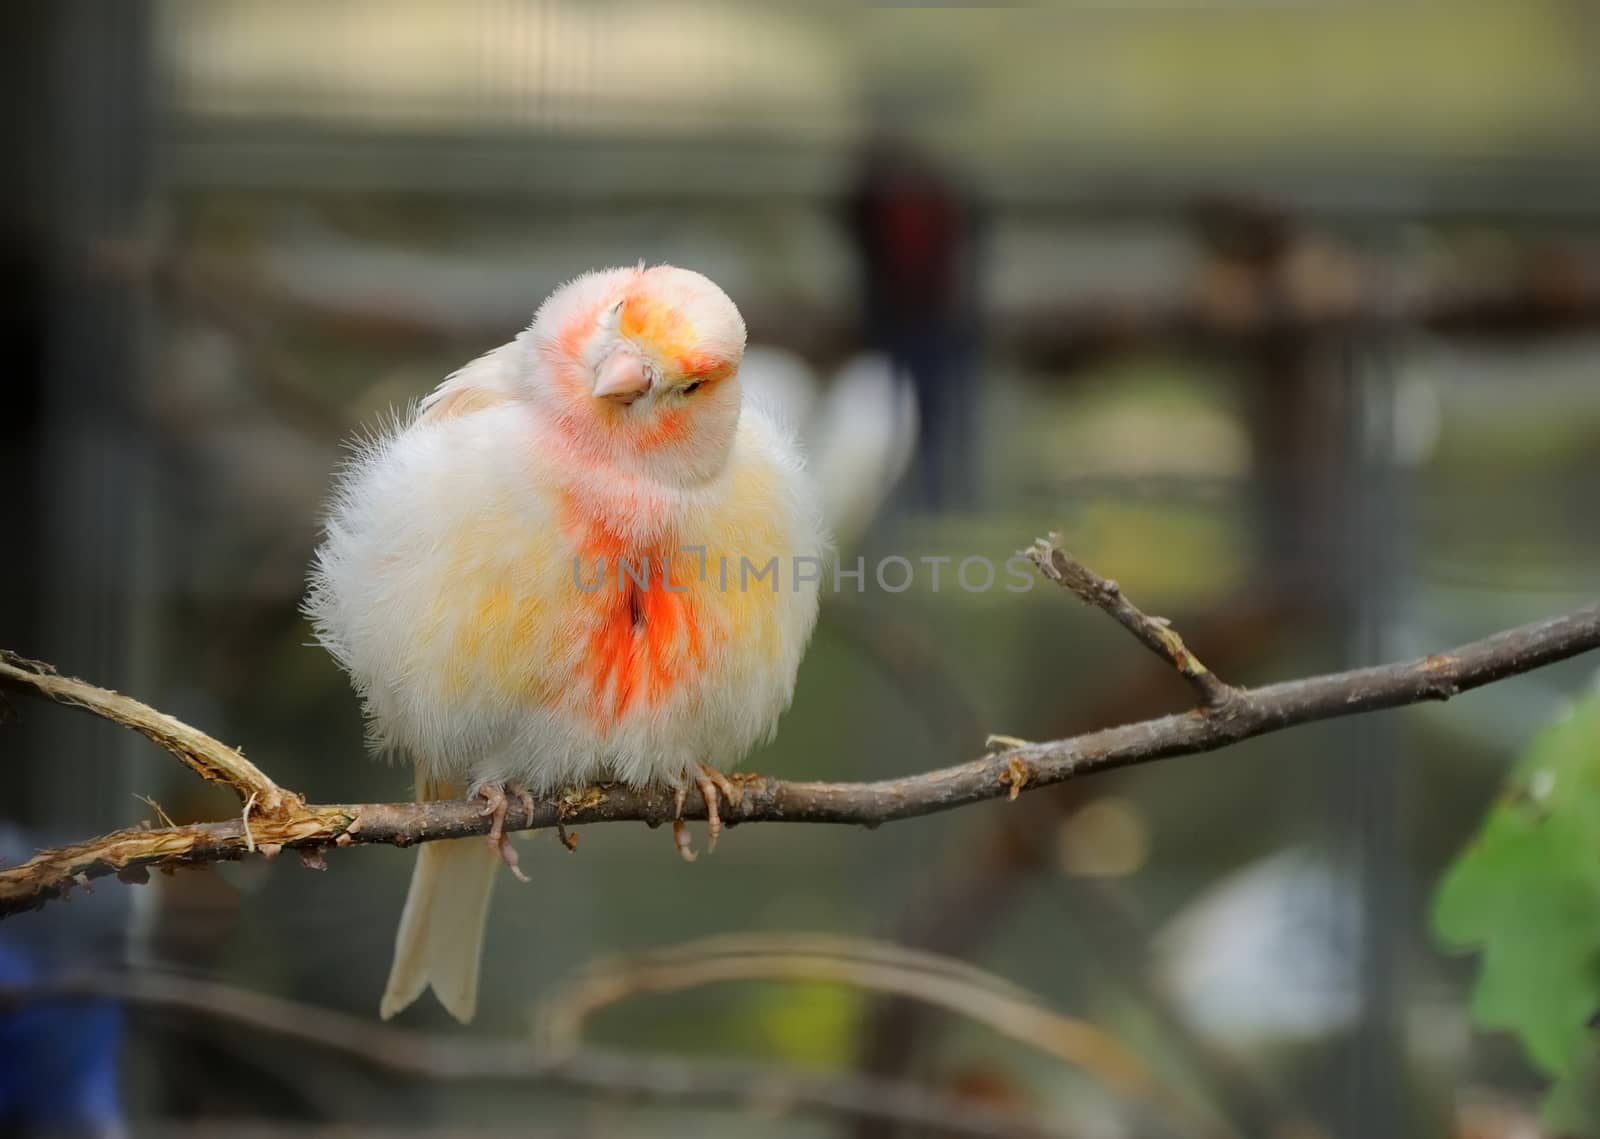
(660, 328)
(737, 557)
(499, 635)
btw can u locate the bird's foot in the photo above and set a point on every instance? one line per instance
(714, 787)
(680, 829)
(494, 796)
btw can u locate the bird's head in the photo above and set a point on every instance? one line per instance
(644, 367)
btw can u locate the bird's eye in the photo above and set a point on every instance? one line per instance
(690, 389)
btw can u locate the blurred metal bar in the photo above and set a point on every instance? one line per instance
(1378, 1100)
(211, 153)
(215, 151)
(80, 69)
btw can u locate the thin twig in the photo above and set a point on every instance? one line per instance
(1247, 712)
(1155, 633)
(211, 759)
(956, 987)
(863, 964)
(451, 1056)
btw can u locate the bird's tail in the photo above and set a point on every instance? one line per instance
(440, 942)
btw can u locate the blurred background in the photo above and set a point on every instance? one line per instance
(1287, 316)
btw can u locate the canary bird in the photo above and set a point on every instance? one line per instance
(584, 556)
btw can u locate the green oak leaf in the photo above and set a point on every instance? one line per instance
(1526, 894)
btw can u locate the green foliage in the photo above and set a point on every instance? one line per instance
(1526, 894)
(813, 1025)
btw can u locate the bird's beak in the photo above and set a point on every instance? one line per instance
(622, 377)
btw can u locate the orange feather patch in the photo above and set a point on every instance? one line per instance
(706, 367)
(665, 329)
(647, 636)
(670, 426)
(660, 326)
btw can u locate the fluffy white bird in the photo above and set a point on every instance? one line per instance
(582, 557)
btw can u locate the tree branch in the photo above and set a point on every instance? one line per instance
(967, 899)
(210, 759)
(1155, 633)
(1231, 715)
(448, 1056)
(951, 985)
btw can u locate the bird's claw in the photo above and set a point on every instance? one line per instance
(680, 829)
(714, 787)
(494, 797)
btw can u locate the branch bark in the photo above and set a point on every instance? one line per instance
(1228, 716)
